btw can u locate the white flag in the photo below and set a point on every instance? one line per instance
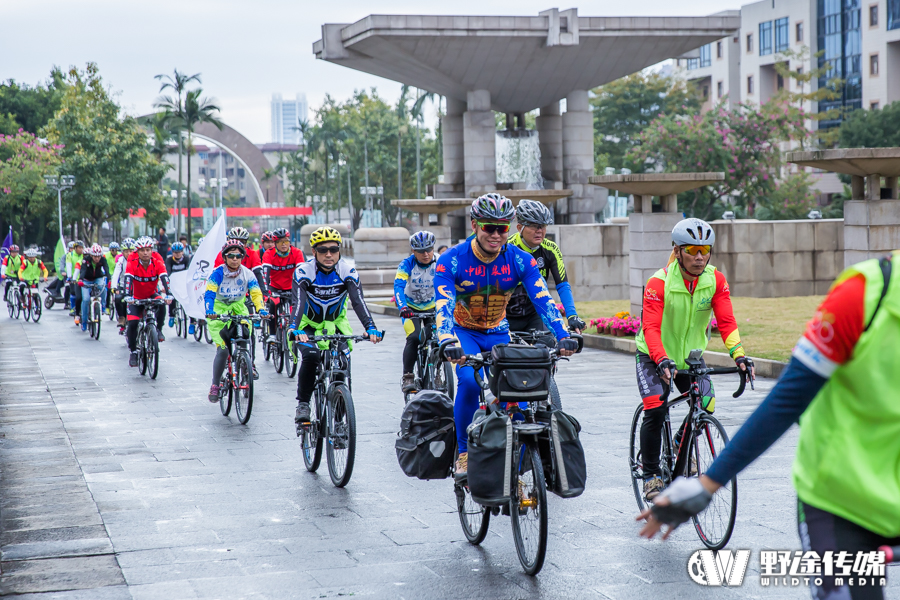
(189, 286)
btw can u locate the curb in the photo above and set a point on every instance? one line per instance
(764, 367)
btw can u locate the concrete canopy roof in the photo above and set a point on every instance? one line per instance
(524, 62)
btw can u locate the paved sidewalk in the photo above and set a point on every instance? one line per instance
(125, 487)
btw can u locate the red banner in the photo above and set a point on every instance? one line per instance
(287, 211)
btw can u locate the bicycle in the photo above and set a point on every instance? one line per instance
(691, 451)
(533, 337)
(30, 304)
(332, 415)
(181, 321)
(201, 331)
(237, 381)
(431, 370)
(95, 310)
(281, 350)
(148, 337)
(528, 482)
(12, 300)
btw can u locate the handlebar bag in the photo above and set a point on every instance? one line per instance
(427, 438)
(520, 373)
(490, 441)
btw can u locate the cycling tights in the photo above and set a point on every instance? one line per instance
(468, 393)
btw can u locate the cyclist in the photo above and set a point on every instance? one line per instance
(840, 385)
(31, 271)
(117, 286)
(532, 219)
(414, 292)
(279, 264)
(473, 283)
(319, 294)
(678, 304)
(143, 273)
(226, 288)
(11, 266)
(112, 255)
(175, 263)
(73, 272)
(268, 241)
(251, 259)
(94, 271)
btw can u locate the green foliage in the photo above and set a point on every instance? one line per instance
(29, 108)
(24, 199)
(800, 91)
(108, 155)
(791, 198)
(878, 128)
(624, 108)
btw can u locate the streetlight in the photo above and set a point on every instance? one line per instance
(59, 184)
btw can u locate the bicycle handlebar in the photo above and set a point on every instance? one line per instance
(424, 315)
(700, 371)
(150, 301)
(340, 337)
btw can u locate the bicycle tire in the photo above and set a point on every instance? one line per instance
(177, 324)
(184, 321)
(36, 313)
(11, 302)
(98, 317)
(142, 351)
(18, 304)
(555, 400)
(152, 351)
(243, 397)
(206, 335)
(530, 528)
(474, 518)
(278, 351)
(706, 444)
(198, 330)
(635, 461)
(311, 438)
(48, 301)
(289, 361)
(340, 411)
(226, 392)
(26, 307)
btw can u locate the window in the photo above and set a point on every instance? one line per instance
(873, 65)
(705, 59)
(240, 172)
(874, 105)
(719, 49)
(798, 32)
(781, 35)
(229, 173)
(893, 14)
(692, 63)
(750, 84)
(873, 15)
(779, 82)
(705, 92)
(720, 91)
(750, 40)
(765, 38)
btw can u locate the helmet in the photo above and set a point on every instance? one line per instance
(113, 245)
(143, 242)
(534, 213)
(494, 207)
(238, 233)
(177, 247)
(13, 248)
(70, 246)
(234, 244)
(422, 240)
(322, 234)
(79, 243)
(268, 237)
(128, 244)
(693, 232)
(280, 234)
(95, 250)
(32, 253)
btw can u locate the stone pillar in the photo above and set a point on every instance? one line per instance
(578, 157)
(452, 132)
(871, 225)
(650, 243)
(479, 133)
(549, 128)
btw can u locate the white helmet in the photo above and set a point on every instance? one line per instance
(691, 232)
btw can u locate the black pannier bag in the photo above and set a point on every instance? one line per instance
(426, 443)
(520, 373)
(490, 441)
(569, 466)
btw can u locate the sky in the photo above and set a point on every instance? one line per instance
(244, 50)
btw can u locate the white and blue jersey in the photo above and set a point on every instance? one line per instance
(321, 296)
(231, 286)
(414, 284)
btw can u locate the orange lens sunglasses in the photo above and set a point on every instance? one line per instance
(693, 250)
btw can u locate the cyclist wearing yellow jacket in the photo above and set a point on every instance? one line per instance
(10, 272)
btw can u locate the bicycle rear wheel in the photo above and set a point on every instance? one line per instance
(243, 397)
(184, 322)
(178, 328)
(226, 391)
(152, 351)
(36, 309)
(11, 303)
(310, 438)
(555, 400)
(289, 361)
(198, 330)
(142, 352)
(529, 512)
(715, 524)
(635, 459)
(341, 442)
(18, 304)
(26, 306)
(474, 518)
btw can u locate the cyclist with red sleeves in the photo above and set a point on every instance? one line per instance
(145, 270)
(266, 241)
(678, 305)
(251, 259)
(279, 263)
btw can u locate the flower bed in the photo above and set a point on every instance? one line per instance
(620, 325)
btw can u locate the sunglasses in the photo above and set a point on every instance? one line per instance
(693, 250)
(328, 249)
(492, 228)
(235, 256)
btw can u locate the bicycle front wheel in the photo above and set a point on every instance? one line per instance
(226, 392)
(474, 518)
(243, 397)
(11, 304)
(341, 442)
(715, 524)
(528, 508)
(310, 438)
(278, 351)
(152, 351)
(36, 309)
(18, 303)
(636, 459)
(26, 306)
(142, 351)
(206, 335)
(198, 330)
(555, 400)
(178, 327)
(289, 362)
(97, 319)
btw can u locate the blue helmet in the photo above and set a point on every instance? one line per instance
(422, 240)
(114, 245)
(177, 247)
(128, 244)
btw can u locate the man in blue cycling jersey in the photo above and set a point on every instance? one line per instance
(414, 292)
(473, 283)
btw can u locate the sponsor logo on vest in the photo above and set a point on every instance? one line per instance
(707, 567)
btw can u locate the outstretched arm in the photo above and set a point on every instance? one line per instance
(540, 296)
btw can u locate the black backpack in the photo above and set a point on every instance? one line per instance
(426, 443)
(520, 373)
(490, 458)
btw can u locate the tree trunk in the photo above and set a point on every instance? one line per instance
(189, 228)
(337, 164)
(178, 193)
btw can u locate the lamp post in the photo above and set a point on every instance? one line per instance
(59, 184)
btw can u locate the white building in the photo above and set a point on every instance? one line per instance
(286, 115)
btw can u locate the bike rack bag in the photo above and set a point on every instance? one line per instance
(569, 465)
(490, 458)
(427, 439)
(520, 373)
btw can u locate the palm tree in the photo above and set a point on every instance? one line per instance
(196, 110)
(178, 84)
(402, 118)
(416, 113)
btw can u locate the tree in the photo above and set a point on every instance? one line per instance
(791, 198)
(162, 135)
(799, 93)
(25, 202)
(30, 108)
(878, 128)
(625, 107)
(108, 154)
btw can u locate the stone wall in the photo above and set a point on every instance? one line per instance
(596, 257)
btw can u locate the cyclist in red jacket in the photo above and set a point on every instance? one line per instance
(279, 263)
(144, 272)
(251, 259)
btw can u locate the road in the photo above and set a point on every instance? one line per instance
(116, 486)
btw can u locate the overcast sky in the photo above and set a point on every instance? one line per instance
(245, 50)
